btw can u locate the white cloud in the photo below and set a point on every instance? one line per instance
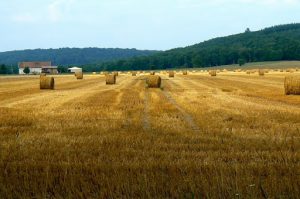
(58, 9)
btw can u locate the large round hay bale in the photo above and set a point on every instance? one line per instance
(184, 72)
(213, 73)
(171, 73)
(134, 73)
(153, 81)
(292, 85)
(110, 79)
(79, 75)
(290, 70)
(261, 72)
(46, 82)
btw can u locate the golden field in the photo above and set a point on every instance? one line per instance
(230, 136)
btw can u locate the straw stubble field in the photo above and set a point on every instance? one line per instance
(234, 135)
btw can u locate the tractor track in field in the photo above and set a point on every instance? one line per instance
(186, 116)
(146, 120)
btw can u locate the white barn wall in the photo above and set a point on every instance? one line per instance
(32, 70)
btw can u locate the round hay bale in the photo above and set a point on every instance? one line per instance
(184, 72)
(213, 73)
(110, 79)
(171, 73)
(152, 73)
(248, 72)
(261, 72)
(94, 73)
(133, 73)
(79, 75)
(46, 82)
(292, 85)
(153, 81)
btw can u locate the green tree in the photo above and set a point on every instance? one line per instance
(3, 69)
(241, 62)
(26, 70)
(197, 61)
(62, 69)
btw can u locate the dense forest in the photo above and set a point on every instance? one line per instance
(271, 44)
(68, 56)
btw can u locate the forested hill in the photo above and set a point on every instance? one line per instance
(71, 56)
(271, 44)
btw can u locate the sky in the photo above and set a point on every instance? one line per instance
(141, 24)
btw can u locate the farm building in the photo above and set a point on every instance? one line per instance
(74, 69)
(37, 67)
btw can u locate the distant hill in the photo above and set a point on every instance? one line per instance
(71, 56)
(271, 44)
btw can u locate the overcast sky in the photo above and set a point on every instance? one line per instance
(141, 24)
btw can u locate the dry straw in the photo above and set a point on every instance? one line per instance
(184, 72)
(42, 74)
(79, 75)
(213, 73)
(110, 79)
(152, 73)
(248, 72)
(46, 82)
(171, 74)
(153, 81)
(292, 85)
(94, 73)
(116, 73)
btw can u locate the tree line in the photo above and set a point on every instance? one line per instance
(271, 44)
(71, 56)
